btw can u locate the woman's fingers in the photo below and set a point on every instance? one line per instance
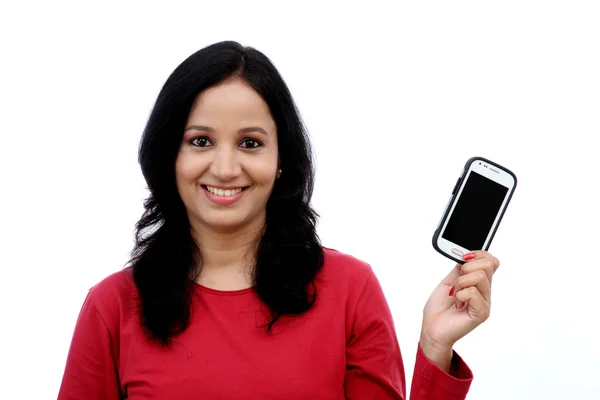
(478, 279)
(478, 272)
(478, 308)
(453, 275)
(482, 260)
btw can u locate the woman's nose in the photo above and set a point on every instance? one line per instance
(225, 165)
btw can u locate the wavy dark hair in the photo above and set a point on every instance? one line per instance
(166, 257)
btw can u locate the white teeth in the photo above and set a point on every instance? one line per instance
(221, 192)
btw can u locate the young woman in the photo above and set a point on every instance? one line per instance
(229, 293)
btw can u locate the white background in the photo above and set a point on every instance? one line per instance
(396, 99)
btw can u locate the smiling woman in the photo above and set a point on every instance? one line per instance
(228, 159)
(229, 293)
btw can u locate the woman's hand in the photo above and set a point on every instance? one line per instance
(459, 304)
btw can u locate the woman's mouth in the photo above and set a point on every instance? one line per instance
(224, 196)
(224, 192)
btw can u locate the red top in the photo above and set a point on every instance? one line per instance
(345, 347)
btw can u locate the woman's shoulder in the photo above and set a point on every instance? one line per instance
(115, 282)
(114, 292)
(344, 268)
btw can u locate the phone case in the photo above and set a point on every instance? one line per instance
(453, 199)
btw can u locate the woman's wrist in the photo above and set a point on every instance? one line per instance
(438, 354)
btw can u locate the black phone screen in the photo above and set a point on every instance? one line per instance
(475, 212)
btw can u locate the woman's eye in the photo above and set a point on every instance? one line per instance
(201, 142)
(251, 144)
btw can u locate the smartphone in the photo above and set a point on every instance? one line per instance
(476, 207)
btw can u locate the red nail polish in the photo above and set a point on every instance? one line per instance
(468, 256)
(451, 291)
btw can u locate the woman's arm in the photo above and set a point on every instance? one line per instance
(90, 371)
(374, 362)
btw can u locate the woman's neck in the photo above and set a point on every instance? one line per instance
(227, 257)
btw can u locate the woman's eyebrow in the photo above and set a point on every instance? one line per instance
(201, 128)
(253, 129)
(208, 129)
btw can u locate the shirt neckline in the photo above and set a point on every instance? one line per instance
(223, 292)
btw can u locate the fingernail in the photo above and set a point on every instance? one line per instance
(451, 291)
(468, 256)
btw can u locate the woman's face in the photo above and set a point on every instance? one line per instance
(228, 159)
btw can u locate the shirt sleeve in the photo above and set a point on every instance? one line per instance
(374, 366)
(90, 371)
(431, 382)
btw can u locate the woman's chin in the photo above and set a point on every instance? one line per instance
(224, 223)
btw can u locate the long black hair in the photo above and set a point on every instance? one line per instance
(165, 255)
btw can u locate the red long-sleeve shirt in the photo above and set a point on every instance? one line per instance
(345, 347)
